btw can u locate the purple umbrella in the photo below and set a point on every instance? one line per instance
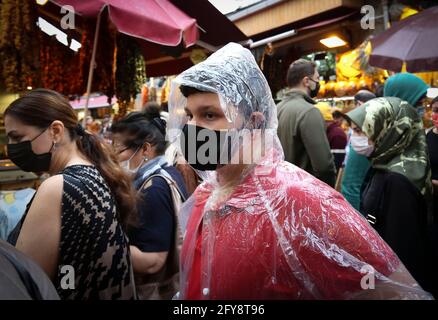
(412, 40)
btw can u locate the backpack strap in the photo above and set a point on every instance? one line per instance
(169, 181)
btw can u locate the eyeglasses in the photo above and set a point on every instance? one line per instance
(118, 149)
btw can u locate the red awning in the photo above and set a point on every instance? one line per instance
(216, 30)
(157, 21)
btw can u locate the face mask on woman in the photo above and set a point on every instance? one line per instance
(23, 156)
(126, 164)
(361, 145)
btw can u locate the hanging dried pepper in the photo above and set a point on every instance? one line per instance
(130, 73)
(67, 72)
(18, 48)
(59, 67)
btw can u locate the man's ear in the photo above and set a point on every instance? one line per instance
(56, 131)
(305, 81)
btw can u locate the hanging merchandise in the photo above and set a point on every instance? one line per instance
(104, 73)
(130, 72)
(18, 48)
(60, 67)
(144, 94)
(197, 56)
(166, 90)
(347, 66)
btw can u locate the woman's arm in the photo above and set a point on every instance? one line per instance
(41, 232)
(147, 262)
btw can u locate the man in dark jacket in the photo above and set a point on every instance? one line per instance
(301, 128)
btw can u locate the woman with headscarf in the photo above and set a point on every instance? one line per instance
(259, 227)
(396, 189)
(407, 87)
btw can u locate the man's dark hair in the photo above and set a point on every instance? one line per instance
(337, 114)
(379, 91)
(298, 70)
(435, 100)
(364, 96)
(188, 91)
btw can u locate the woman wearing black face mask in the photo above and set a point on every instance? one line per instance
(139, 141)
(78, 215)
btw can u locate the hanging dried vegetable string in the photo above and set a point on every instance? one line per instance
(18, 48)
(130, 73)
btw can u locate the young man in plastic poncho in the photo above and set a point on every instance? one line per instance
(259, 227)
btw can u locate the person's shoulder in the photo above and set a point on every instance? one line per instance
(297, 180)
(430, 135)
(299, 184)
(44, 284)
(51, 187)
(313, 199)
(173, 172)
(156, 184)
(338, 133)
(295, 101)
(398, 180)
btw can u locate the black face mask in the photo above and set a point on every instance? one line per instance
(314, 92)
(22, 155)
(205, 149)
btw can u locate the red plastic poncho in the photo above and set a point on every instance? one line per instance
(280, 233)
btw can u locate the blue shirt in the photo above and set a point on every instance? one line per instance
(156, 227)
(355, 171)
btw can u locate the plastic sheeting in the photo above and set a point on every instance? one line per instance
(278, 233)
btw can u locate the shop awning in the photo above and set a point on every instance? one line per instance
(215, 30)
(157, 21)
(95, 102)
(174, 20)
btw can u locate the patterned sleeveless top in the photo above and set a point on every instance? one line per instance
(93, 243)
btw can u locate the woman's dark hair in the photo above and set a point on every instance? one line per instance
(435, 100)
(41, 107)
(152, 105)
(141, 127)
(364, 96)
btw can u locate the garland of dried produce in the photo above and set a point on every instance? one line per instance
(104, 76)
(130, 72)
(66, 71)
(59, 67)
(18, 48)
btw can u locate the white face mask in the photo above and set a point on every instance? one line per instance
(126, 164)
(361, 146)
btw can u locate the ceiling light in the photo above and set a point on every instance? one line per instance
(333, 42)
